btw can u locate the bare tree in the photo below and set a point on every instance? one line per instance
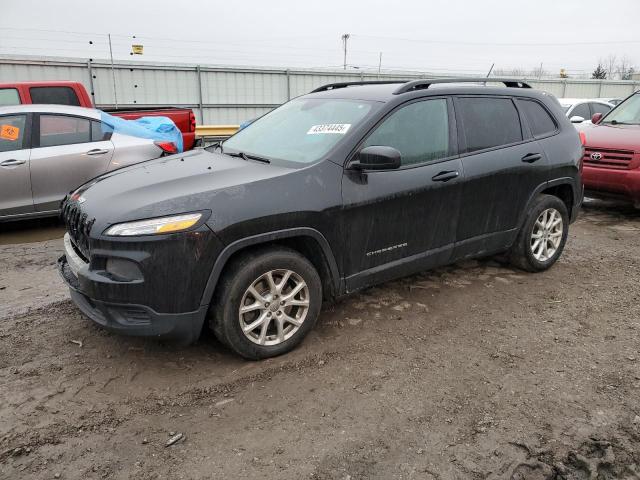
(509, 72)
(538, 72)
(609, 64)
(624, 69)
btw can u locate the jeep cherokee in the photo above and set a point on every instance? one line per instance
(351, 185)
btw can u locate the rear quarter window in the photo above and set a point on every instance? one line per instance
(100, 131)
(540, 121)
(489, 122)
(9, 96)
(600, 108)
(54, 96)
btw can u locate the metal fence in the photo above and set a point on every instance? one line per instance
(231, 95)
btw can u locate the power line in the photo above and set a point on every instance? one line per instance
(498, 44)
(256, 53)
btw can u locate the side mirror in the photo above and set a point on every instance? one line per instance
(377, 157)
(596, 118)
(576, 119)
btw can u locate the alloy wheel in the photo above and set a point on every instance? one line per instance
(274, 307)
(546, 234)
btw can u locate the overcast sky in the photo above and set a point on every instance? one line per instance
(464, 36)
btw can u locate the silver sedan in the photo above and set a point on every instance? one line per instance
(48, 150)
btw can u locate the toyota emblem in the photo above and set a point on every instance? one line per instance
(596, 156)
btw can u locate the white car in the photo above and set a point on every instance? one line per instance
(582, 109)
(48, 150)
(612, 101)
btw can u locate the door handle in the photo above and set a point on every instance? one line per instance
(97, 151)
(531, 157)
(445, 176)
(12, 162)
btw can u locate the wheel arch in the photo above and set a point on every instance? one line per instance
(563, 188)
(309, 242)
(564, 191)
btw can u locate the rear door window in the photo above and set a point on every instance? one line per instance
(9, 96)
(540, 121)
(12, 132)
(581, 110)
(54, 96)
(63, 130)
(419, 131)
(489, 122)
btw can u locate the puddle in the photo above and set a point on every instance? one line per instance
(609, 213)
(30, 231)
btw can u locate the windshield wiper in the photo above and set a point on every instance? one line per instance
(248, 157)
(214, 146)
(616, 122)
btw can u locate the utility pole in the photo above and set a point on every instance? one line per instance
(113, 73)
(380, 64)
(540, 72)
(345, 39)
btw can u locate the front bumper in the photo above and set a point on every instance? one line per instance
(132, 319)
(612, 182)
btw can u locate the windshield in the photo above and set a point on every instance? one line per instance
(300, 131)
(566, 108)
(628, 112)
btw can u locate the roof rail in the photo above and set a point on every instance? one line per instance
(426, 83)
(333, 86)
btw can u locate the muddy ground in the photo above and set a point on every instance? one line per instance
(474, 371)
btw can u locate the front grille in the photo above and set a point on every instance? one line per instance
(78, 225)
(609, 158)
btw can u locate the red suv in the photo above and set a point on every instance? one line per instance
(612, 152)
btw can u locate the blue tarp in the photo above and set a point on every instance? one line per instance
(160, 129)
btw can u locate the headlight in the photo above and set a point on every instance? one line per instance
(154, 226)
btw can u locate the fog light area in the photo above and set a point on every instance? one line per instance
(122, 269)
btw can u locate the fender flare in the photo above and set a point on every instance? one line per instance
(234, 247)
(544, 186)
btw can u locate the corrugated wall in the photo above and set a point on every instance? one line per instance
(231, 95)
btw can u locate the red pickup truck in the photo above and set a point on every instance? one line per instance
(74, 93)
(612, 152)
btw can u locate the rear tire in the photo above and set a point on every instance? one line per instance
(266, 302)
(543, 235)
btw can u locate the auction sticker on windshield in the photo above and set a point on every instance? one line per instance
(340, 128)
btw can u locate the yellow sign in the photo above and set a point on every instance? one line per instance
(136, 49)
(9, 132)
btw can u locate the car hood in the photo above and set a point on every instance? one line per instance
(622, 137)
(169, 185)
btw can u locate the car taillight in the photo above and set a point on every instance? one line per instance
(167, 147)
(583, 138)
(583, 141)
(192, 122)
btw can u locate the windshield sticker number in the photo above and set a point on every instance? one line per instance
(9, 132)
(339, 128)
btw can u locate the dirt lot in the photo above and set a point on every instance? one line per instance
(469, 372)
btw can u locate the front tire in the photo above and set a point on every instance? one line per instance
(266, 303)
(543, 235)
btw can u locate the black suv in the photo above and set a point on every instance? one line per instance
(343, 188)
